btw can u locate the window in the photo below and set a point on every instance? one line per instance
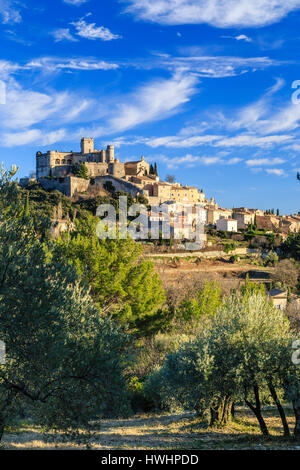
(69, 162)
(57, 161)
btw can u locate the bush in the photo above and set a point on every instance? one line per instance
(271, 259)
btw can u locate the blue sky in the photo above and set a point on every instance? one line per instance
(204, 88)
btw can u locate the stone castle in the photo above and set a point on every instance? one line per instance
(97, 162)
(55, 170)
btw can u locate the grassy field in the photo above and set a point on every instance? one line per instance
(165, 431)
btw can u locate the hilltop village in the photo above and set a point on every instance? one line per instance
(75, 173)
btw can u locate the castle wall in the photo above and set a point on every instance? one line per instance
(120, 184)
(116, 169)
(96, 169)
(70, 185)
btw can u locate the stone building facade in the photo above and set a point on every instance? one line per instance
(98, 162)
(55, 170)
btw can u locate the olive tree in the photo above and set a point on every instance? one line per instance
(240, 357)
(64, 361)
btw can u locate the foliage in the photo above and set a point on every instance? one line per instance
(286, 274)
(249, 288)
(291, 246)
(205, 303)
(271, 259)
(234, 359)
(230, 247)
(108, 186)
(64, 361)
(121, 282)
(80, 170)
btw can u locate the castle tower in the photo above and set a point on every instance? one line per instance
(110, 154)
(87, 145)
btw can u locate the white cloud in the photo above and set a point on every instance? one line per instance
(246, 140)
(190, 160)
(179, 141)
(276, 171)
(263, 116)
(187, 161)
(6, 68)
(63, 34)
(27, 108)
(154, 101)
(53, 63)
(217, 140)
(243, 37)
(35, 117)
(264, 161)
(75, 2)
(219, 13)
(91, 31)
(215, 66)
(10, 14)
(32, 136)
(233, 161)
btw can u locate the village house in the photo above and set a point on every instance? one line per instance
(228, 225)
(278, 298)
(244, 217)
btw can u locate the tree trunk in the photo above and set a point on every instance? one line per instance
(226, 414)
(214, 415)
(296, 408)
(1, 427)
(220, 413)
(280, 410)
(257, 411)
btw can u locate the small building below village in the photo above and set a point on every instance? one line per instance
(279, 298)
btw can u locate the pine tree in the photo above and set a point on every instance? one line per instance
(27, 205)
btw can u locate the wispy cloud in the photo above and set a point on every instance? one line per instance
(31, 111)
(32, 136)
(157, 100)
(243, 37)
(7, 68)
(240, 37)
(213, 66)
(93, 32)
(63, 34)
(77, 3)
(219, 13)
(246, 140)
(9, 11)
(217, 140)
(276, 171)
(55, 63)
(28, 109)
(264, 161)
(190, 161)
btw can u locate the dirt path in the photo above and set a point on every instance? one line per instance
(164, 431)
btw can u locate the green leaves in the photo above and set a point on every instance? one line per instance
(64, 362)
(121, 282)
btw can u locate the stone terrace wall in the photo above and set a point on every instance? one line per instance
(71, 185)
(120, 184)
(68, 185)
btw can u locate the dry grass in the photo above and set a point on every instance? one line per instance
(165, 431)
